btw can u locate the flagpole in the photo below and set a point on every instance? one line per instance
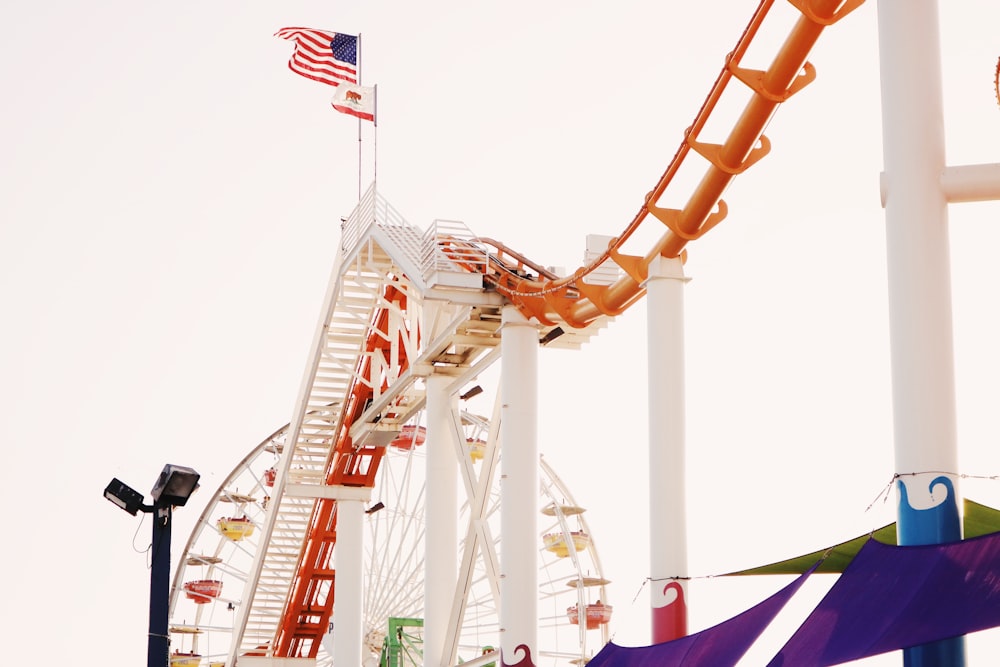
(375, 138)
(358, 56)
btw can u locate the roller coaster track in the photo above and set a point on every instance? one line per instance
(399, 308)
(575, 302)
(361, 386)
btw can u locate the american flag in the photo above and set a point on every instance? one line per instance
(320, 55)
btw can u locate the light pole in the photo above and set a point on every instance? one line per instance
(172, 489)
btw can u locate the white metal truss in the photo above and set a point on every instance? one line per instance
(450, 324)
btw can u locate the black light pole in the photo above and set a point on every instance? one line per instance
(173, 488)
(158, 646)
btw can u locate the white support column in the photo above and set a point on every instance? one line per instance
(667, 496)
(920, 317)
(441, 507)
(348, 584)
(519, 490)
(919, 274)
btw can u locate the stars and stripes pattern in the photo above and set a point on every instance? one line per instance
(321, 55)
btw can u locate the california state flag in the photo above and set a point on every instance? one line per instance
(355, 100)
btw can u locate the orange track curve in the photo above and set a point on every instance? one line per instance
(571, 300)
(576, 302)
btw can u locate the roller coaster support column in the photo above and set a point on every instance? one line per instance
(920, 318)
(441, 506)
(349, 583)
(668, 520)
(518, 489)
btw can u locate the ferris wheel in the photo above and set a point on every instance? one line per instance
(217, 561)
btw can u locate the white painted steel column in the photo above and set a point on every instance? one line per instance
(919, 274)
(920, 317)
(518, 490)
(441, 508)
(667, 496)
(348, 583)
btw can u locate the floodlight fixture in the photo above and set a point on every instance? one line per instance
(375, 508)
(172, 489)
(174, 486)
(551, 336)
(475, 391)
(124, 496)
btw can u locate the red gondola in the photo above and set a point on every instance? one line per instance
(203, 590)
(409, 436)
(598, 614)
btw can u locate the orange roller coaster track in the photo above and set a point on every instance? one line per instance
(310, 606)
(542, 295)
(577, 303)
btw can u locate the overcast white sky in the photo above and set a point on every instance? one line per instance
(169, 205)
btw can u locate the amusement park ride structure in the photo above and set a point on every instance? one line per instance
(413, 319)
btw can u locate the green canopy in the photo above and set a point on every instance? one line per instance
(978, 520)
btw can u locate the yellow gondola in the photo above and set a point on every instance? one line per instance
(236, 528)
(178, 659)
(557, 544)
(477, 448)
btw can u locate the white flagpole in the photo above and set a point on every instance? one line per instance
(358, 58)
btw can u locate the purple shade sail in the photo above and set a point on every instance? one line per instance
(719, 646)
(893, 597)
